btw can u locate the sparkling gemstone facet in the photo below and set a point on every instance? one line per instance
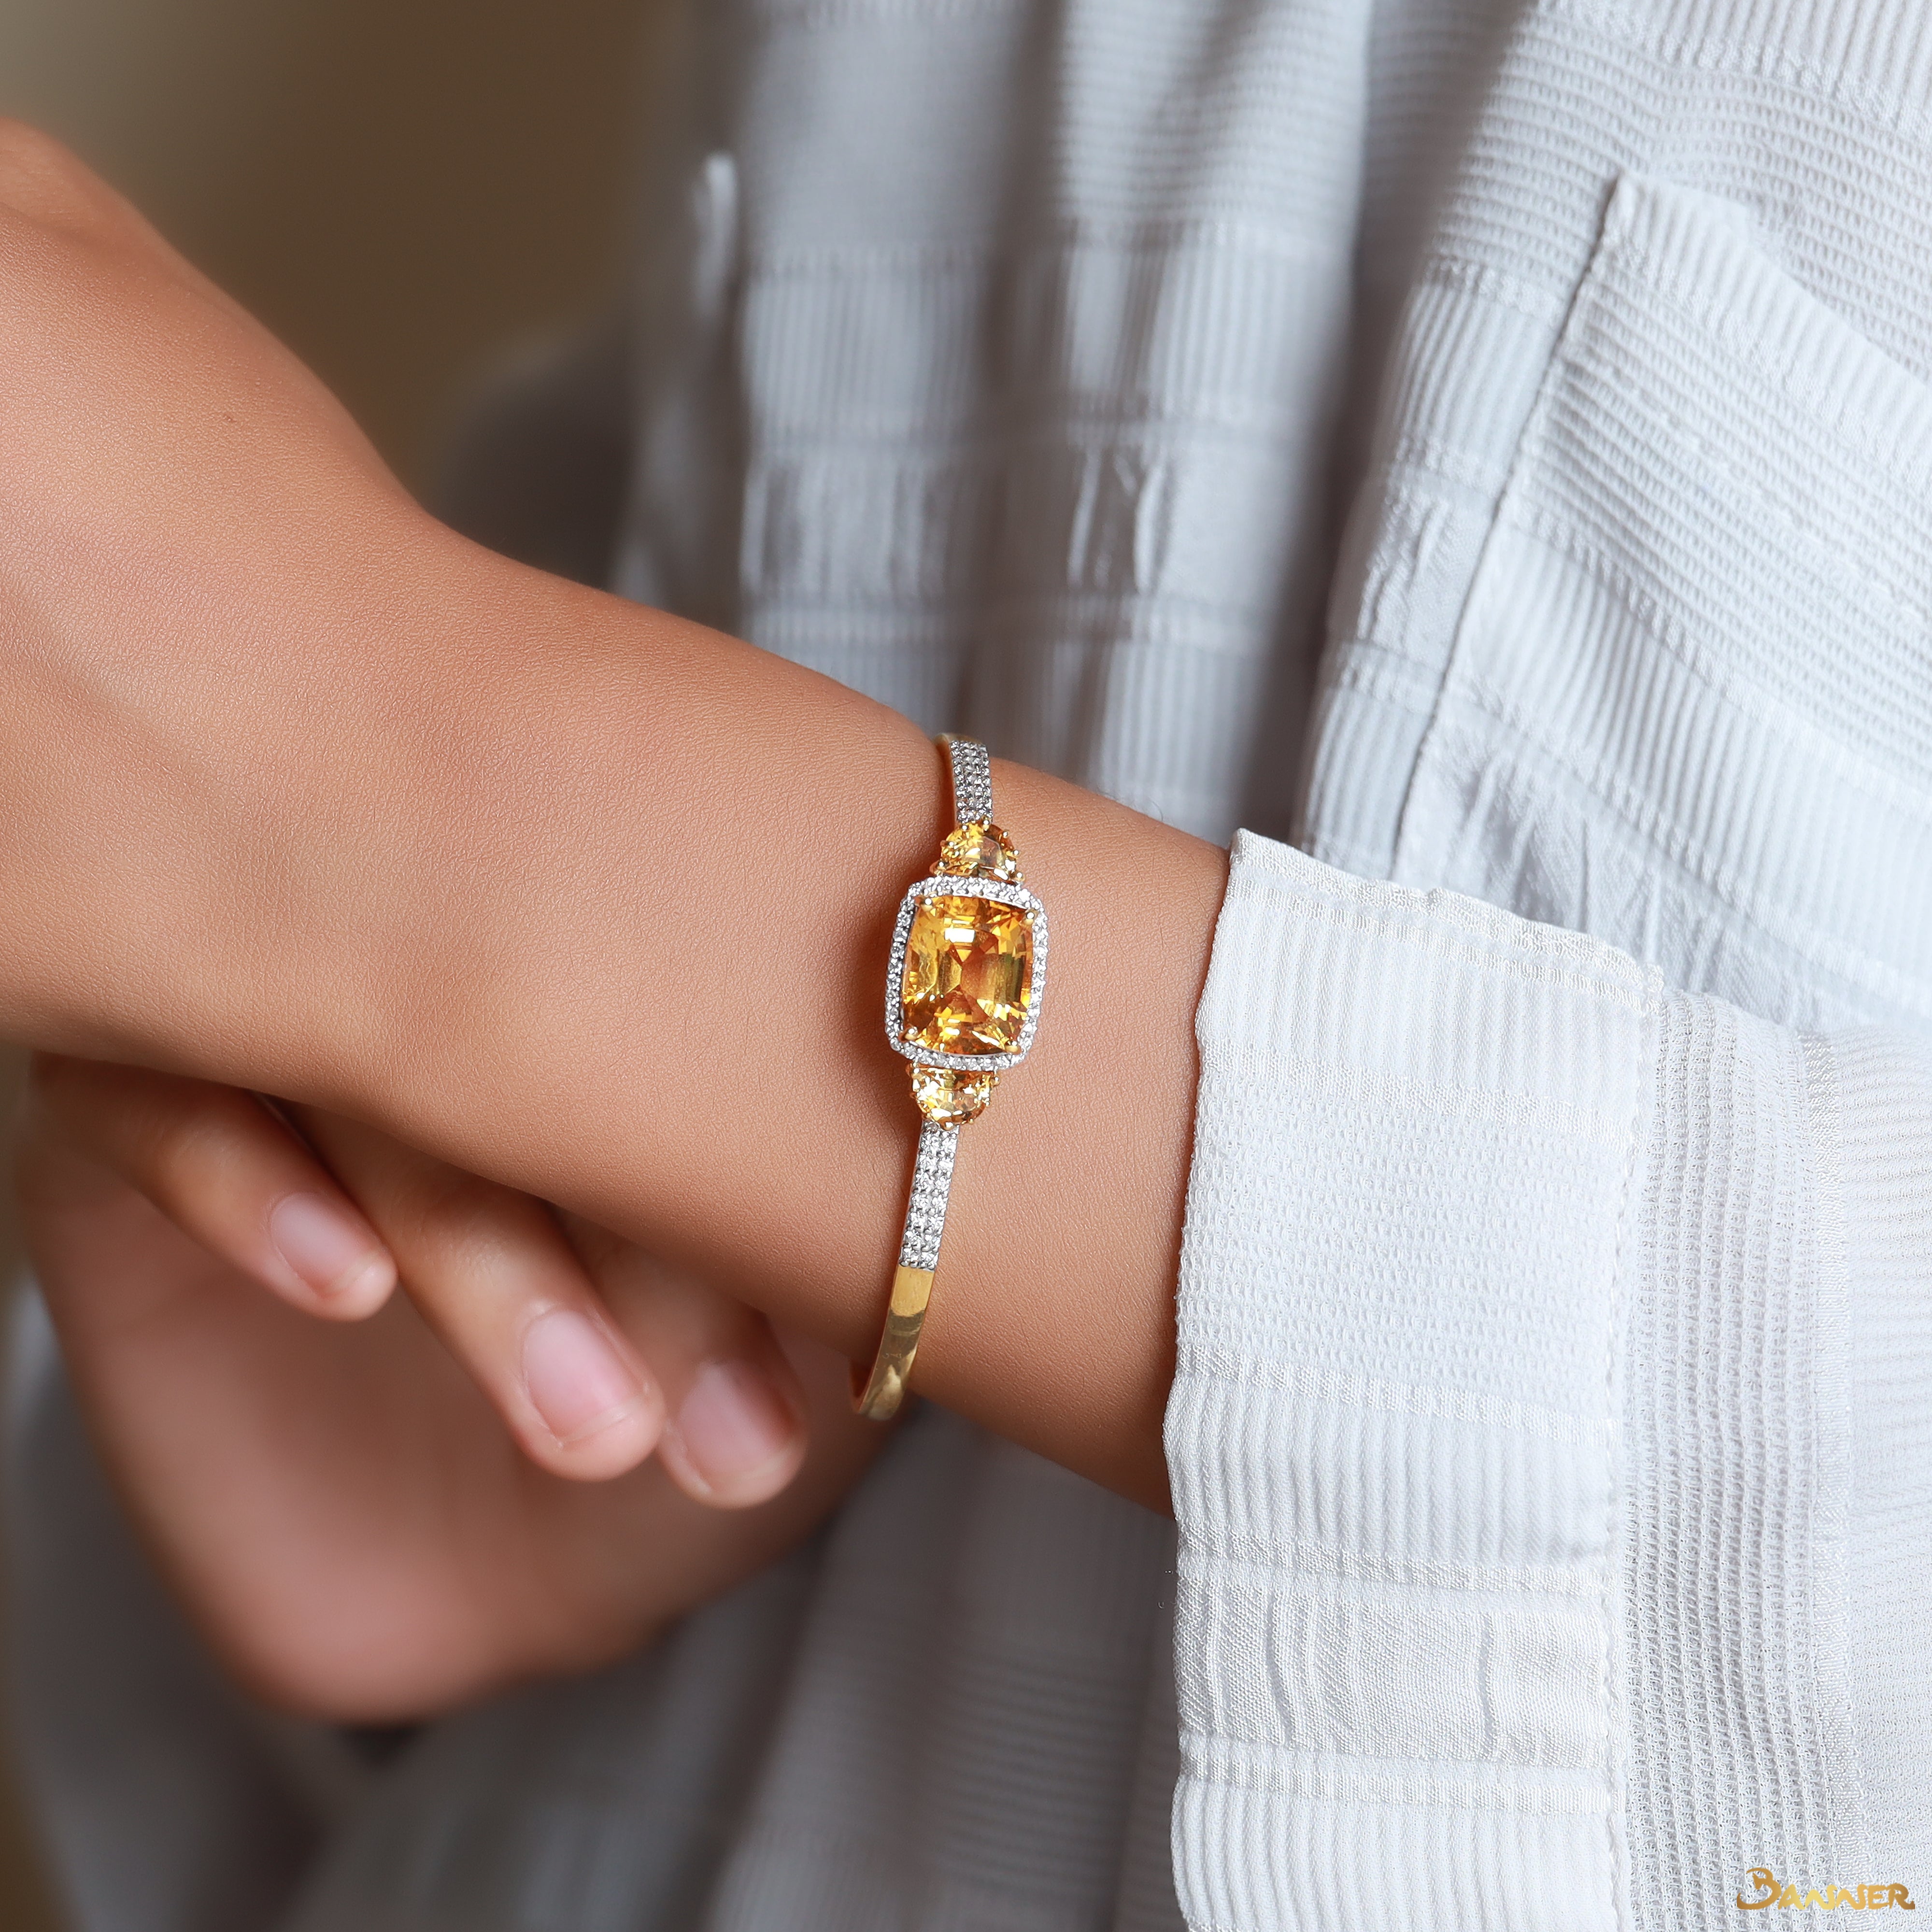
(979, 850)
(951, 1098)
(968, 975)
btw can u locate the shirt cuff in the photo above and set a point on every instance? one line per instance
(1391, 1435)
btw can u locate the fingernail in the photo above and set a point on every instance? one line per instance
(328, 1249)
(574, 1377)
(734, 1422)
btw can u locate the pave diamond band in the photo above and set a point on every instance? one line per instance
(972, 780)
(926, 1212)
(964, 988)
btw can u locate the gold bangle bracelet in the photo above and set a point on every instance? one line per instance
(963, 995)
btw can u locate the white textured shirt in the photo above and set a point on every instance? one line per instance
(1525, 406)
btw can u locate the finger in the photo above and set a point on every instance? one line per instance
(492, 1273)
(735, 1431)
(227, 1173)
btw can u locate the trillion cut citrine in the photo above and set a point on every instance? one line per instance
(979, 850)
(968, 975)
(949, 1098)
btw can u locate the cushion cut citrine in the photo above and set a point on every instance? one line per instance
(968, 974)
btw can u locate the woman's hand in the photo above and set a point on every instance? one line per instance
(315, 1463)
(703, 1382)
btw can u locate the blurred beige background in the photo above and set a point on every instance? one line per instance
(399, 187)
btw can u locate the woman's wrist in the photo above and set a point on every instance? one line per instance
(301, 792)
(629, 956)
(597, 902)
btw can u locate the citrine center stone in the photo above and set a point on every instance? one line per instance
(968, 975)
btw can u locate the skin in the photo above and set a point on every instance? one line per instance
(304, 793)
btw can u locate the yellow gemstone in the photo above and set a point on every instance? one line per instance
(949, 1098)
(968, 975)
(978, 851)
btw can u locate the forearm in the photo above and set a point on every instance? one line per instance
(298, 790)
(598, 902)
(642, 947)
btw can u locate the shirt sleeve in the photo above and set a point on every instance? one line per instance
(1545, 1439)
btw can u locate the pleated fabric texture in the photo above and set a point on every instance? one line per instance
(1026, 328)
(1549, 1447)
(1629, 632)
(1550, 1481)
